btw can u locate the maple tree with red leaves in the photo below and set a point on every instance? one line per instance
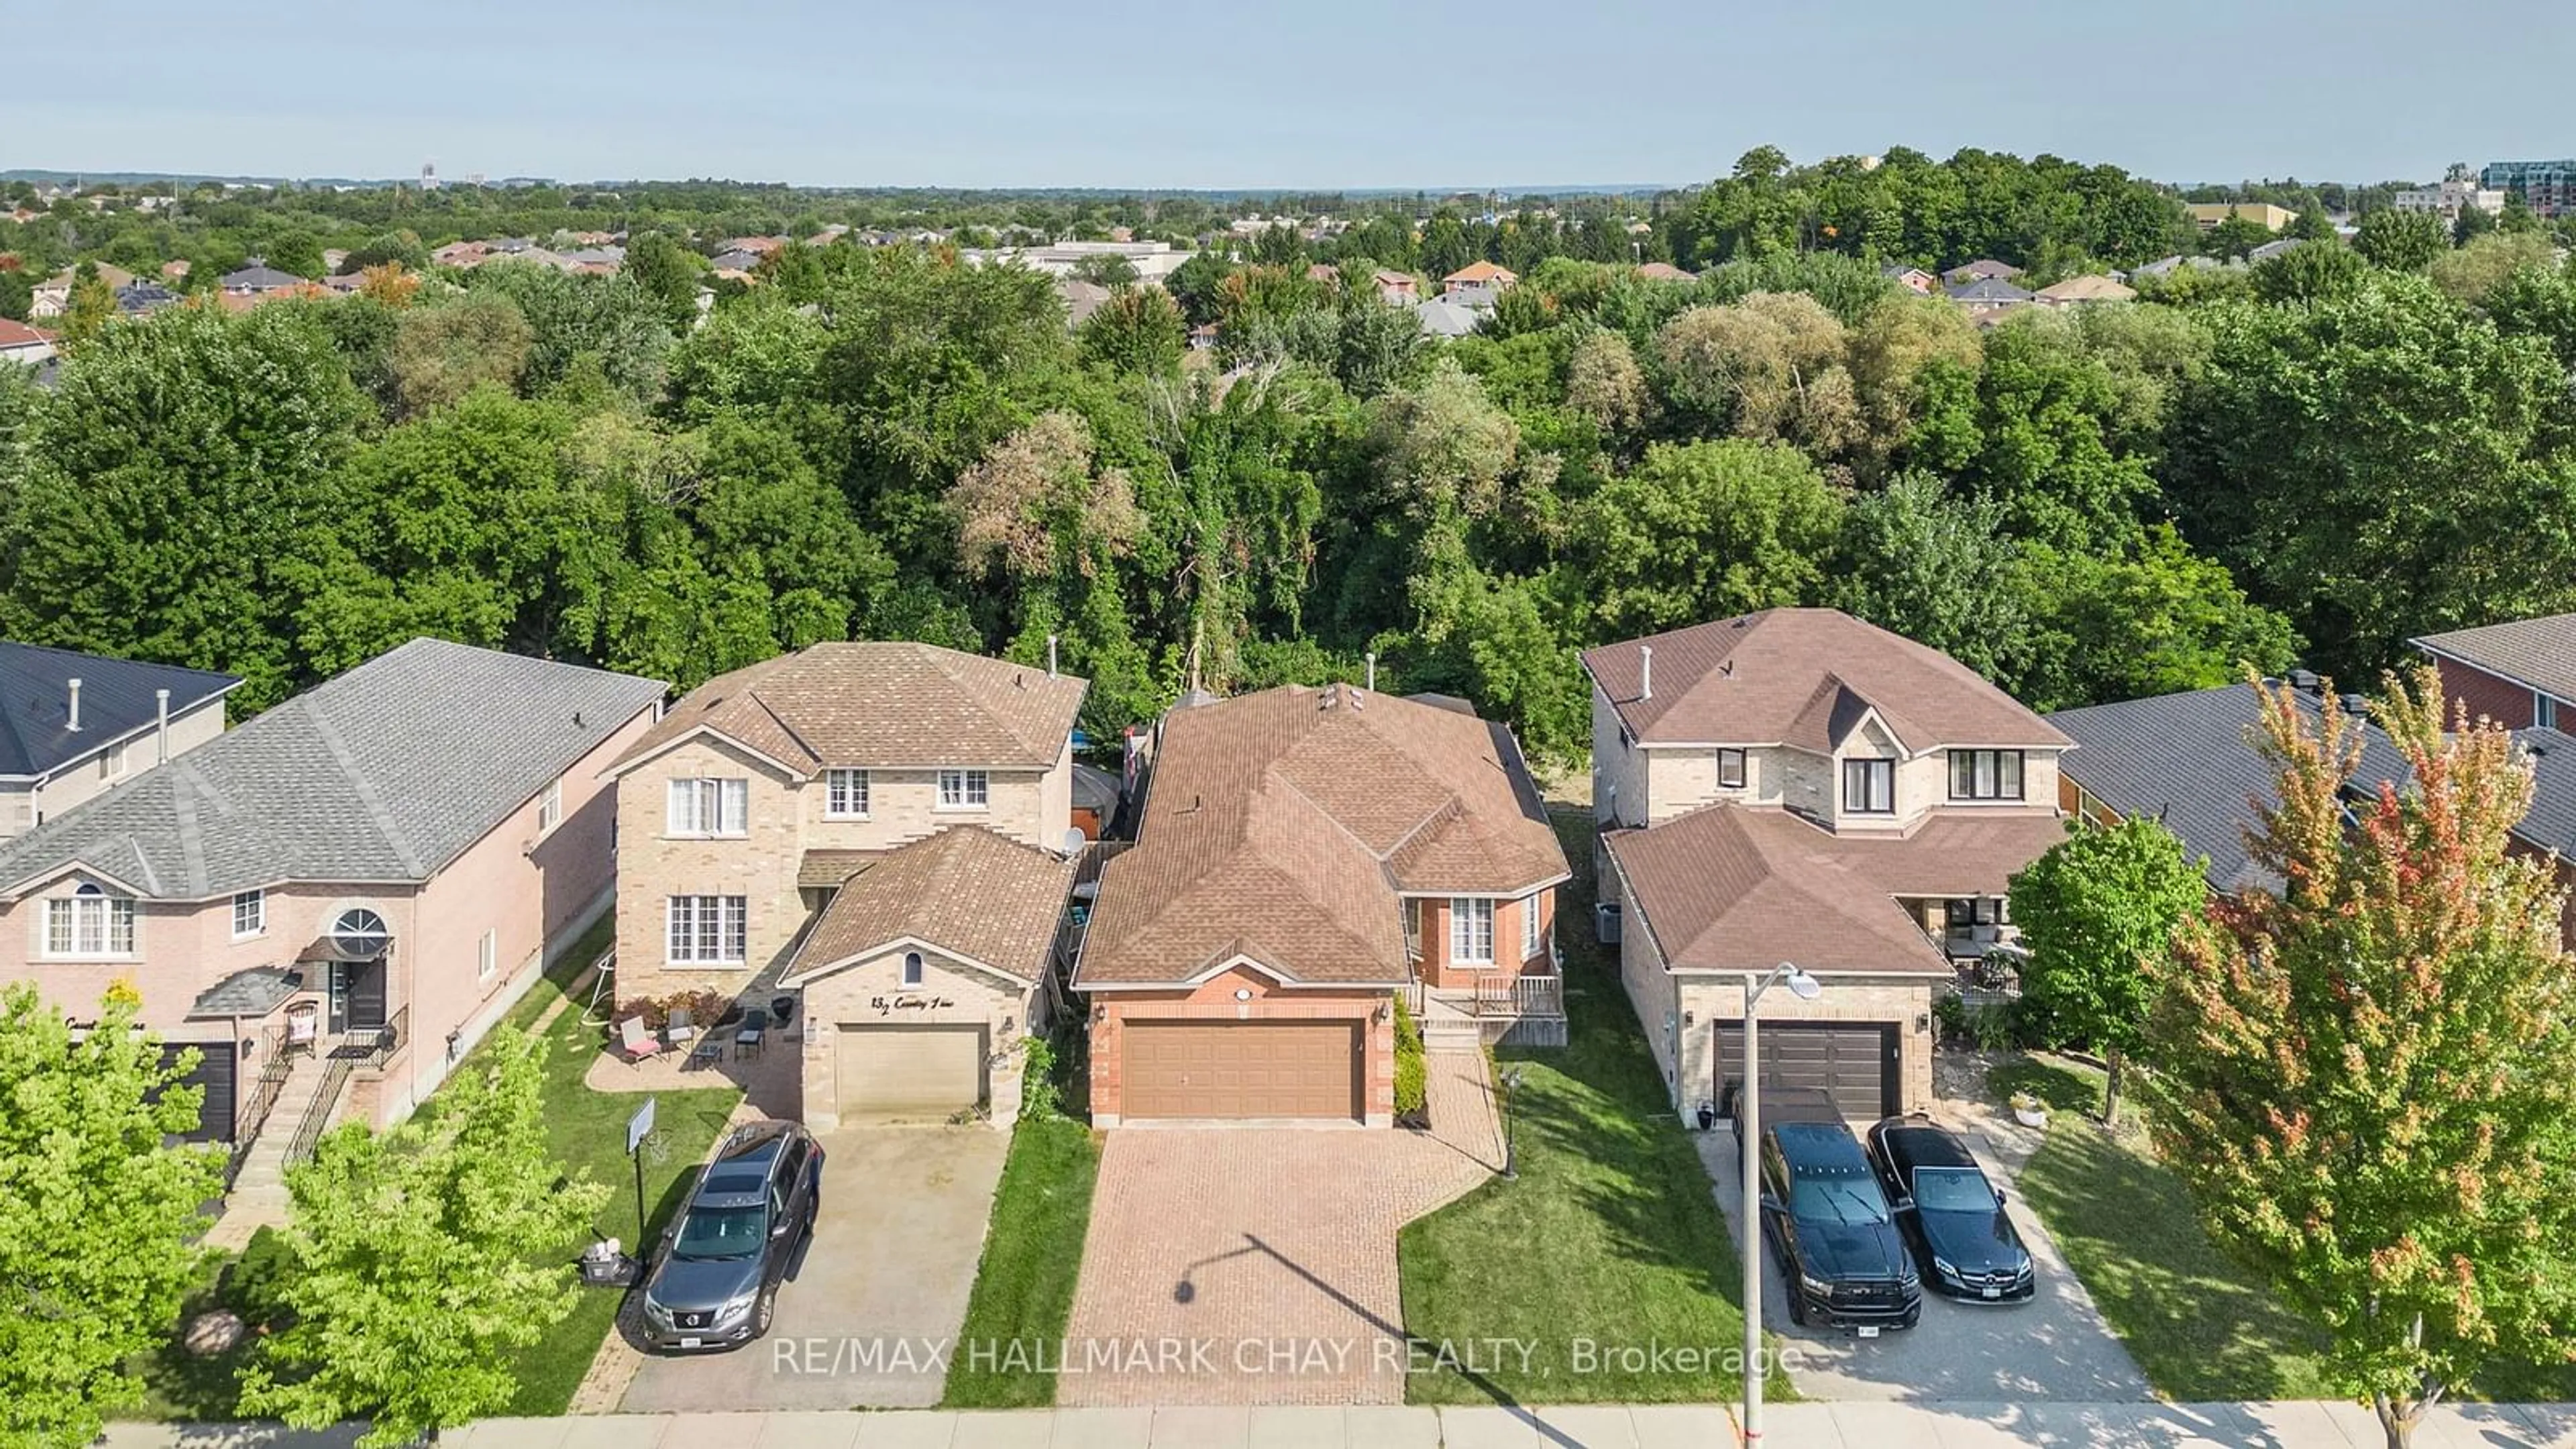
(2367, 1076)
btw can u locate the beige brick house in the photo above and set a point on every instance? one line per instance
(1306, 855)
(782, 825)
(335, 900)
(1796, 785)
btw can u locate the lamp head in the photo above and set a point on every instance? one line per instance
(1800, 984)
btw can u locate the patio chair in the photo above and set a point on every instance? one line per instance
(682, 1030)
(635, 1042)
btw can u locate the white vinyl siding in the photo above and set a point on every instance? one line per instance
(1471, 930)
(250, 914)
(706, 930)
(89, 922)
(845, 795)
(964, 789)
(709, 807)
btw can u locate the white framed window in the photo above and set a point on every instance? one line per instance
(111, 761)
(1730, 769)
(964, 789)
(1471, 930)
(2544, 710)
(1531, 936)
(487, 955)
(89, 922)
(550, 806)
(250, 914)
(709, 807)
(706, 930)
(845, 795)
(912, 968)
(1869, 787)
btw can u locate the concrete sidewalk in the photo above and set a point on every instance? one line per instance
(1789, 1426)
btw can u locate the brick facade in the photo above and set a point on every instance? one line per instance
(871, 993)
(1215, 1000)
(2486, 695)
(1438, 970)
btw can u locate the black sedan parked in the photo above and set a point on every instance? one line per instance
(716, 1284)
(1952, 1217)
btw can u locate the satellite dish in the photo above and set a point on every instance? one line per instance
(360, 935)
(1075, 840)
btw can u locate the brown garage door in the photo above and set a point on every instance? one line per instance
(910, 1073)
(1240, 1069)
(1856, 1064)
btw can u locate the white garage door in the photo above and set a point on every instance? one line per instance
(910, 1073)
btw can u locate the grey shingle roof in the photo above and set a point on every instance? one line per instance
(386, 773)
(2539, 652)
(2184, 758)
(2551, 825)
(116, 700)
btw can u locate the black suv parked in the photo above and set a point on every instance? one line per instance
(1828, 1223)
(716, 1285)
(1953, 1218)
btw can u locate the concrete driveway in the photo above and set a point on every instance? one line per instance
(868, 1313)
(2054, 1348)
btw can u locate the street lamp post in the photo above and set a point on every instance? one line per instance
(1748, 1127)
(1511, 1124)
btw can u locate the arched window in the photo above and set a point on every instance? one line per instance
(360, 935)
(912, 968)
(89, 922)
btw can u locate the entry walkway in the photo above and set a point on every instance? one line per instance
(1790, 1426)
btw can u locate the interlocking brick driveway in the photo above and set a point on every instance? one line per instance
(1256, 1265)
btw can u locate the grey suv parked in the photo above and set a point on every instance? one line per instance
(716, 1283)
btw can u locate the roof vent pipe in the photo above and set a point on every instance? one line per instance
(74, 726)
(1050, 656)
(161, 736)
(1372, 671)
(1645, 671)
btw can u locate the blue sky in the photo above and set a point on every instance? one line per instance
(1318, 93)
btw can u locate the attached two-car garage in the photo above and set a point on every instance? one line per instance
(1238, 1070)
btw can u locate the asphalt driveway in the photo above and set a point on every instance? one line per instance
(867, 1314)
(2054, 1348)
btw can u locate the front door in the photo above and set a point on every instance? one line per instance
(357, 996)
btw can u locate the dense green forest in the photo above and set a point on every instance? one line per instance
(2311, 458)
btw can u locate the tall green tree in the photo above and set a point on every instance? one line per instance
(99, 1212)
(2368, 1076)
(168, 510)
(2098, 912)
(1701, 530)
(2401, 241)
(425, 1259)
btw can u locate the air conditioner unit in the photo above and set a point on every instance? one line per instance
(1605, 923)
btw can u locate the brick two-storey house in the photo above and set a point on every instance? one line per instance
(1796, 785)
(789, 826)
(334, 901)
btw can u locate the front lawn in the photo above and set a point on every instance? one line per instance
(2200, 1326)
(587, 1132)
(1032, 1257)
(1610, 1237)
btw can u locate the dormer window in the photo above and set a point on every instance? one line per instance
(1985, 774)
(1730, 769)
(89, 922)
(1869, 787)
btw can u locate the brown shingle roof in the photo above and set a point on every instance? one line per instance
(1284, 825)
(823, 868)
(1737, 888)
(881, 704)
(966, 891)
(1805, 677)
